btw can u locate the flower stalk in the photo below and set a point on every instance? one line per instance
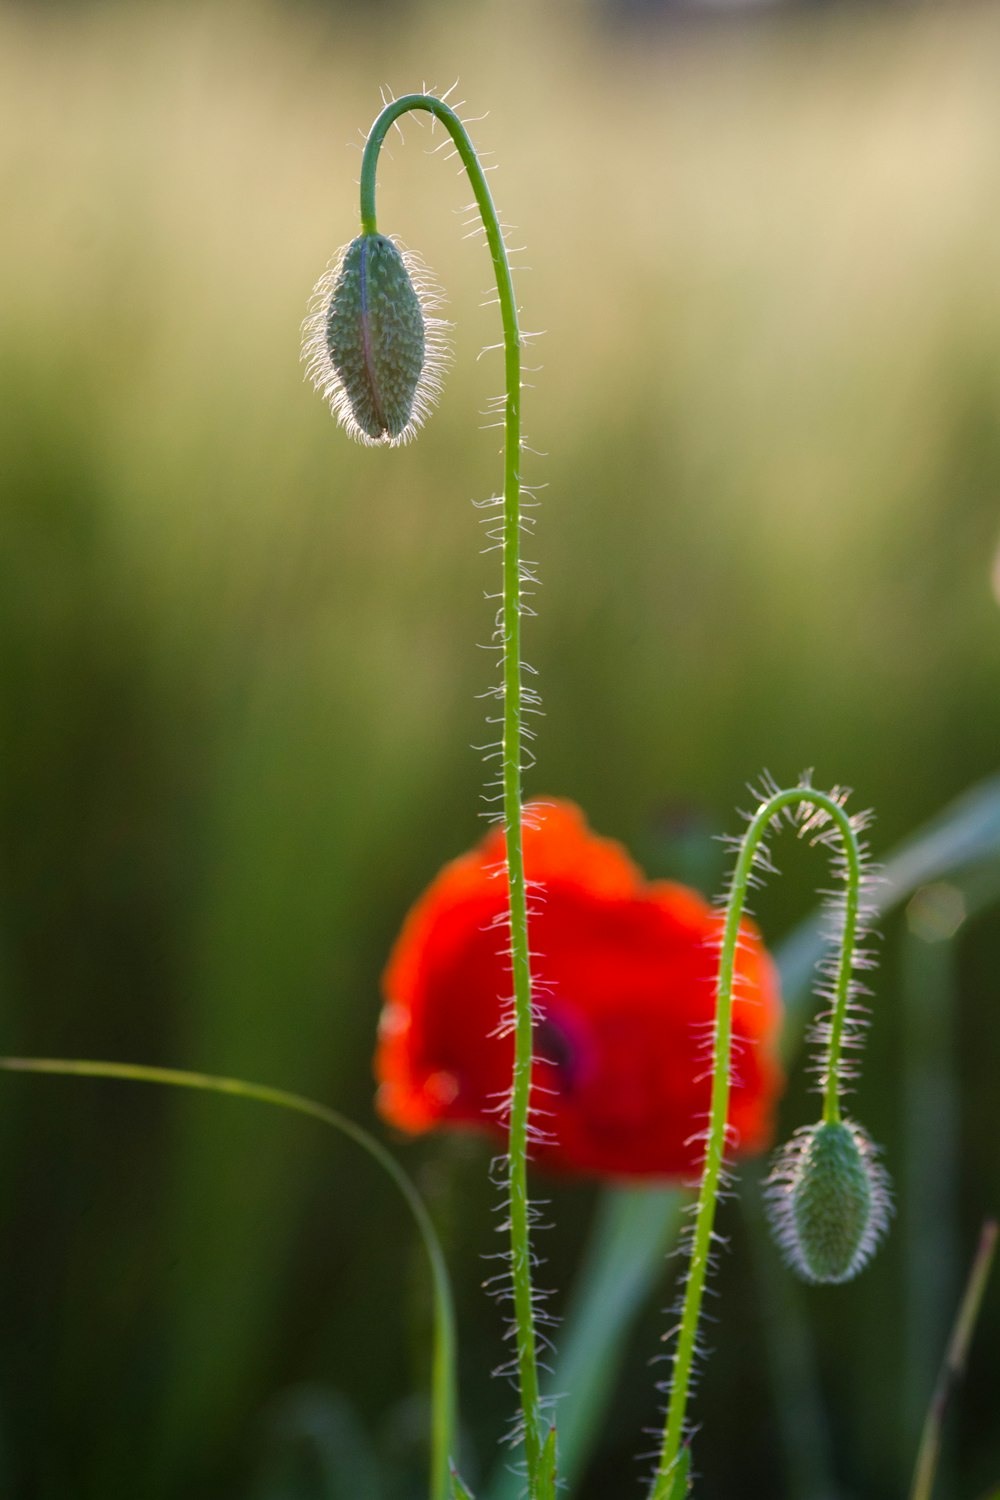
(513, 697)
(826, 821)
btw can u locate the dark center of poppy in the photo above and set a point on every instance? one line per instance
(554, 1044)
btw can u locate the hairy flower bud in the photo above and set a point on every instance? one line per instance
(829, 1202)
(373, 350)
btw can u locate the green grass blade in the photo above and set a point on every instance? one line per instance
(444, 1400)
(549, 1467)
(953, 1367)
(458, 1490)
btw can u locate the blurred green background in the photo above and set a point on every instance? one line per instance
(239, 668)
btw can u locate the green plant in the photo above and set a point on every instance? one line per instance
(358, 341)
(366, 348)
(828, 1196)
(374, 350)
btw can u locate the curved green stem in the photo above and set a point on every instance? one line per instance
(444, 1403)
(513, 733)
(701, 1243)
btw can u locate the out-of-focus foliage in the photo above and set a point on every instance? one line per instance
(238, 662)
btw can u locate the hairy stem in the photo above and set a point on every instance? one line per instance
(701, 1243)
(444, 1403)
(511, 748)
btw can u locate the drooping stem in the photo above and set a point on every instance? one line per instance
(828, 809)
(444, 1402)
(842, 986)
(511, 747)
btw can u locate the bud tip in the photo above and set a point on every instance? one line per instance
(829, 1200)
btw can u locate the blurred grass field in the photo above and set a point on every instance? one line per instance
(239, 664)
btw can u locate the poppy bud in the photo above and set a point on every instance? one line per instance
(372, 348)
(828, 1199)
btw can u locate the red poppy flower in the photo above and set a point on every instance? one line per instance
(625, 984)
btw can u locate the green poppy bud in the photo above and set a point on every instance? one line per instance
(373, 349)
(829, 1201)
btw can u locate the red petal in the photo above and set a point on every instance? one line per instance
(625, 975)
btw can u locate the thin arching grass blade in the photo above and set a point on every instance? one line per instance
(458, 1490)
(953, 1367)
(444, 1402)
(937, 918)
(550, 1459)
